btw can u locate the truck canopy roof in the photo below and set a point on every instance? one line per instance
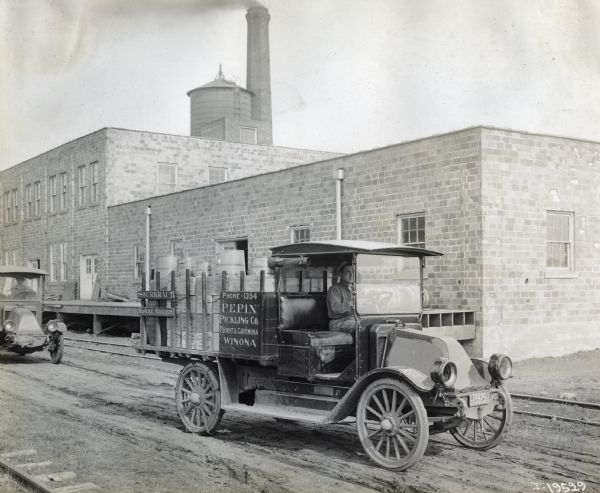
(350, 246)
(9, 270)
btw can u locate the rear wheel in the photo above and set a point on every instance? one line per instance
(486, 432)
(198, 398)
(392, 424)
(57, 348)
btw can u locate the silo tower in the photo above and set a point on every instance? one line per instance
(212, 104)
(223, 110)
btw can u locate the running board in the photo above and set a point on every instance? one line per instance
(281, 412)
(284, 405)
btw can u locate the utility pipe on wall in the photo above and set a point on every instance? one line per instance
(147, 255)
(338, 203)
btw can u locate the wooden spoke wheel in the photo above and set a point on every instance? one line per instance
(489, 430)
(392, 424)
(199, 398)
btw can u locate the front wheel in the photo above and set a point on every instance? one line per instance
(486, 432)
(392, 424)
(198, 398)
(57, 348)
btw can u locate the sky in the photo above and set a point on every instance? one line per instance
(346, 75)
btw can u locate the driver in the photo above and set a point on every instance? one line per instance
(340, 307)
(20, 289)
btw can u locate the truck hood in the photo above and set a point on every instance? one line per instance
(413, 349)
(25, 320)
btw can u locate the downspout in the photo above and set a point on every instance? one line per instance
(338, 203)
(147, 254)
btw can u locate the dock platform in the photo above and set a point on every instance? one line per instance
(99, 310)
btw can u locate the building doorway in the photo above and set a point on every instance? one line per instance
(88, 271)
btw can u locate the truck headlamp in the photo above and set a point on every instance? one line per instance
(444, 372)
(500, 367)
(52, 326)
(9, 326)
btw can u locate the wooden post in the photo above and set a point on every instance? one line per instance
(96, 324)
(262, 281)
(300, 282)
(173, 322)
(242, 280)
(204, 313)
(188, 309)
(158, 321)
(325, 281)
(143, 335)
(223, 281)
(277, 275)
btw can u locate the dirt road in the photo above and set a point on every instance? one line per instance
(112, 420)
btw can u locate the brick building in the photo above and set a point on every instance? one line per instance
(54, 206)
(517, 216)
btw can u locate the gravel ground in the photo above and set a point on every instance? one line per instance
(112, 420)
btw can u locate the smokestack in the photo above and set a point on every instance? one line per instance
(258, 63)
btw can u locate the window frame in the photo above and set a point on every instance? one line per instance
(94, 180)
(401, 230)
(7, 207)
(175, 185)
(28, 201)
(37, 199)
(64, 190)
(81, 186)
(52, 195)
(249, 131)
(296, 229)
(15, 204)
(217, 169)
(138, 262)
(569, 269)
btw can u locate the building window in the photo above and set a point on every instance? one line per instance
(58, 262)
(81, 196)
(53, 194)
(248, 135)
(34, 263)
(411, 230)
(7, 208)
(63, 262)
(15, 204)
(166, 178)
(37, 198)
(559, 240)
(300, 234)
(94, 176)
(138, 262)
(64, 187)
(176, 247)
(28, 201)
(10, 257)
(216, 175)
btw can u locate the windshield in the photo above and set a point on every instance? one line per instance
(387, 285)
(19, 287)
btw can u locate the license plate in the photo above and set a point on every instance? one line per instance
(23, 339)
(478, 399)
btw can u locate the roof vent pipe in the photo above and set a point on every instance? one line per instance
(339, 177)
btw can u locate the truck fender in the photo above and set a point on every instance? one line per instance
(415, 378)
(228, 381)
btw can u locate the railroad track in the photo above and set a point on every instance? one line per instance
(125, 349)
(19, 467)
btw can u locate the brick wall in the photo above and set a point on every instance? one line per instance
(80, 227)
(438, 176)
(132, 158)
(528, 310)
